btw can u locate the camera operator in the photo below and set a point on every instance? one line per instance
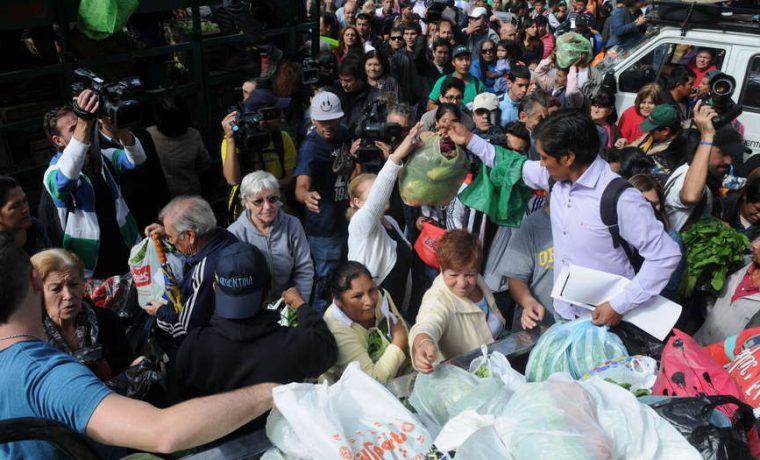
(401, 115)
(485, 115)
(277, 155)
(82, 183)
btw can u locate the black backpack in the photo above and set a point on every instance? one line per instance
(609, 215)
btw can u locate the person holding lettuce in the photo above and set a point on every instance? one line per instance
(458, 313)
(571, 168)
(366, 325)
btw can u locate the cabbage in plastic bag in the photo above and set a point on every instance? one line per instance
(431, 178)
(570, 46)
(574, 347)
(435, 395)
(553, 420)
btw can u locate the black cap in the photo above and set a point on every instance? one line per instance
(264, 98)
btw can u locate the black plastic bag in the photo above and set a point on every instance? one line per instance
(136, 381)
(691, 417)
(638, 341)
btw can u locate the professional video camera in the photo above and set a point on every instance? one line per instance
(435, 9)
(246, 128)
(312, 70)
(373, 127)
(722, 87)
(113, 98)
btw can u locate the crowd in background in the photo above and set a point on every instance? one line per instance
(314, 214)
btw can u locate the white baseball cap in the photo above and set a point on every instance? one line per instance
(478, 12)
(487, 101)
(325, 106)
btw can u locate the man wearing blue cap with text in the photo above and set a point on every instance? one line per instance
(244, 344)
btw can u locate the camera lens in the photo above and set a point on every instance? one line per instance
(723, 87)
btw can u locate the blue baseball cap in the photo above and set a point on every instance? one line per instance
(242, 281)
(264, 98)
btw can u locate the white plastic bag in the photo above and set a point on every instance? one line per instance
(496, 365)
(484, 444)
(151, 279)
(355, 418)
(637, 431)
(459, 428)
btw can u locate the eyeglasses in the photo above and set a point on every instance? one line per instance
(452, 98)
(396, 38)
(487, 50)
(274, 199)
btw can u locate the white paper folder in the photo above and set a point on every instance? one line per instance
(587, 288)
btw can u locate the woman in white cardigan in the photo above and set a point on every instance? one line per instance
(376, 240)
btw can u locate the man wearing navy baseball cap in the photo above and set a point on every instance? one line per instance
(244, 344)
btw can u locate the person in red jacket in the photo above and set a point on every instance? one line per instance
(648, 97)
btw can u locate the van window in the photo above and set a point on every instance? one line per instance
(750, 97)
(658, 63)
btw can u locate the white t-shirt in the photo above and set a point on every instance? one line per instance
(678, 213)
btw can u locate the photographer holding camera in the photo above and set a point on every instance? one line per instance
(253, 141)
(374, 140)
(90, 215)
(691, 189)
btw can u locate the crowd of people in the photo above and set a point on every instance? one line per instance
(315, 218)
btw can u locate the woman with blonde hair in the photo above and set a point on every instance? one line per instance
(374, 239)
(73, 325)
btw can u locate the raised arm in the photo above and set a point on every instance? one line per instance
(696, 176)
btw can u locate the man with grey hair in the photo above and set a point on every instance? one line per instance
(189, 225)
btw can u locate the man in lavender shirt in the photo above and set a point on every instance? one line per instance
(568, 145)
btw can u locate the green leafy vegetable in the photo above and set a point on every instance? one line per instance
(376, 344)
(483, 371)
(713, 250)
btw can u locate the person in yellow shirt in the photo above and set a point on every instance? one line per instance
(278, 157)
(458, 313)
(366, 325)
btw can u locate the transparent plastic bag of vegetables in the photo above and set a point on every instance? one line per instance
(634, 373)
(435, 394)
(574, 347)
(288, 315)
(496, 365)
(433, 173)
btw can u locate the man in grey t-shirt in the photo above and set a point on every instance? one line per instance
(529, 267)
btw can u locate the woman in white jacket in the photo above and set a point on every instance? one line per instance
(376, 240)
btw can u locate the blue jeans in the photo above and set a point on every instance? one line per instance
(328, 252)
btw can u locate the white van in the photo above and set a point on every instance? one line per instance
(736, 48)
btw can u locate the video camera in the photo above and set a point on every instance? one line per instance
(113, 98)
(373, 127)
(312, 70)
(722, 87)
(246, 127)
